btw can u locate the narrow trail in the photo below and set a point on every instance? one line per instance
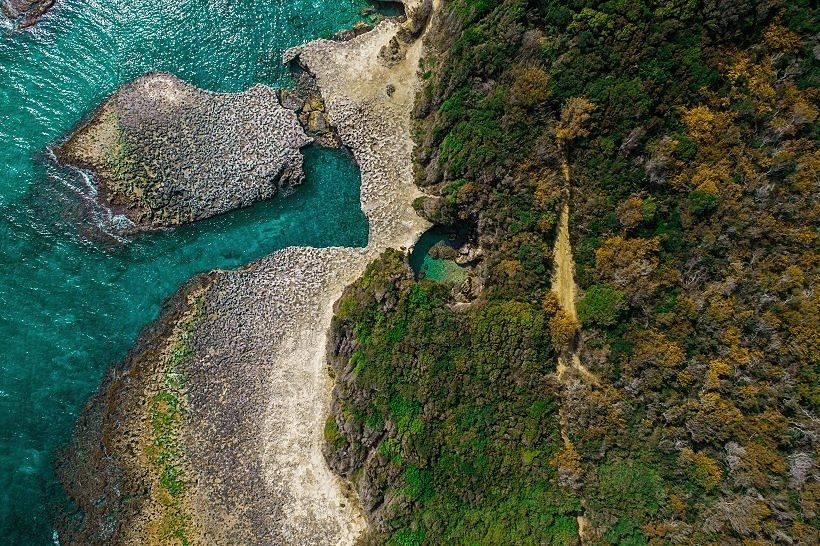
(563, 285)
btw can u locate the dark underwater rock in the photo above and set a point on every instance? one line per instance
(25, 13)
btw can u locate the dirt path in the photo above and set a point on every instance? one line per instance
(563, 284)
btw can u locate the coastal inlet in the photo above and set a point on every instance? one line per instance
(210, 431)
(74, 298)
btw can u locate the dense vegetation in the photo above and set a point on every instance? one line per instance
(439, 453)
(689, 129)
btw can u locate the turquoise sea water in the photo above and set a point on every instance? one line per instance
(72, 300)
(437, 269)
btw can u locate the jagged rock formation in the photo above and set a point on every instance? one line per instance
(256, 384)
(25, 13)
(123, 468)
(166, 153)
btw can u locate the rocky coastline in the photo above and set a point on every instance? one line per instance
(248, 436)
(166, 153)
(110, 469)
(25, 13)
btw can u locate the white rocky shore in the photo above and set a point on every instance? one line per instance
(251, 347)
(259, 389)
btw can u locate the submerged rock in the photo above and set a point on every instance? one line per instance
(127, 469)
(25, 13)
(166, 153)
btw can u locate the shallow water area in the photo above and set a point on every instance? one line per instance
(75, 298)
(426, 266)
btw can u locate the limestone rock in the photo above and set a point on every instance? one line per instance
(166, 153)
(290, 100)
(469, 254)
(317, 122)
(348, 34)
(314, 103)
(25, 13)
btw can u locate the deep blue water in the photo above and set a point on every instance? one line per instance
(73, 300)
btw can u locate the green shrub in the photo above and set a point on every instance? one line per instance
(601, 305)
(701, 202)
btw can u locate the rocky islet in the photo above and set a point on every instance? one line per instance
(166, 153)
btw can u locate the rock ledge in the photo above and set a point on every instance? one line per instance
(166, 153)
(25, 13)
